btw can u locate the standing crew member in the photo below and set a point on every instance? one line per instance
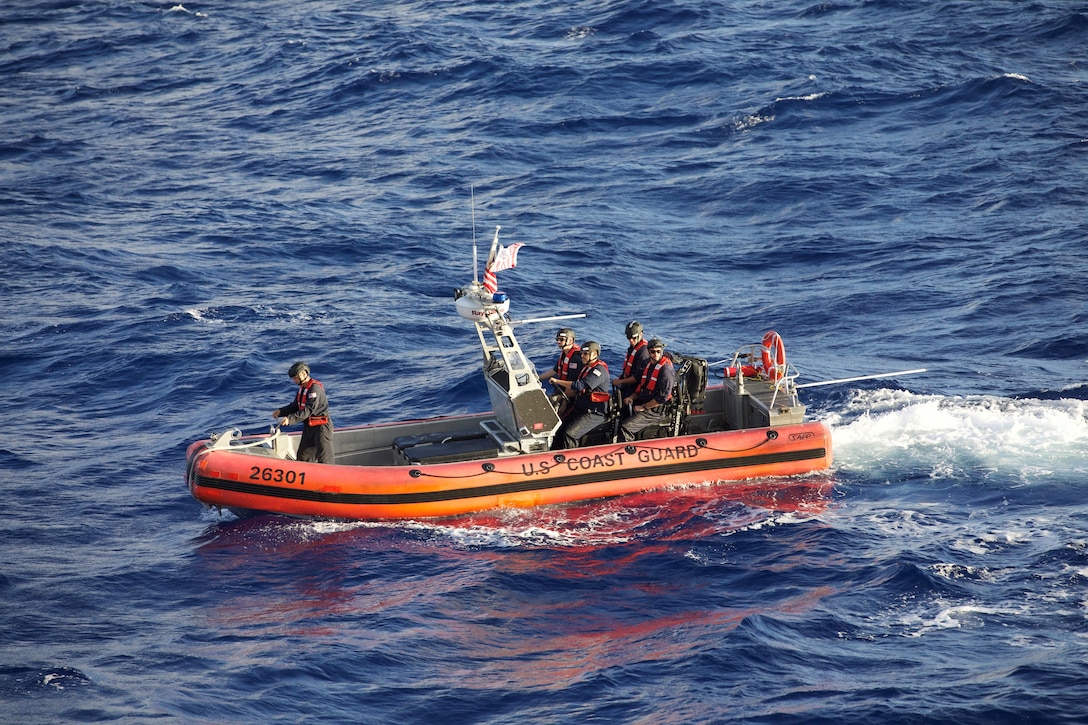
(310, 407)
(653, 391)
(636, 361)
(590, 396)
(566, 367)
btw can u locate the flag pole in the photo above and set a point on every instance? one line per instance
(494, 246)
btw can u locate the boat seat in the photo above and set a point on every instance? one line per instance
(610, 431)
(688, 393)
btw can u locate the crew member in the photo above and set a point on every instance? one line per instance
(653, 391)
(566, 368)
(310, 407)
(590, 392)
(636, 361)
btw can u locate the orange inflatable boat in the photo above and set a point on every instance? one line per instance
(753, 426)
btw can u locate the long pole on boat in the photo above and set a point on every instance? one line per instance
(861, 377)
(547, 319)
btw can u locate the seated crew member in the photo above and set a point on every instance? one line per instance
(310, 407)
(590, 393)
(652, 392)
(636, 361)
(566, 367)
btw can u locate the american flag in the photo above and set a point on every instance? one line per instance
(502, 258)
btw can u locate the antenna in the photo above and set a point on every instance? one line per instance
(472, 206)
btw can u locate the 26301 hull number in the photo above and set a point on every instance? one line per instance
(276, 475)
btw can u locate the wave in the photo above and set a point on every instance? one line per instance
(889, 432)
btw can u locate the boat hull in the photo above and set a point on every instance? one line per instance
(248, 481)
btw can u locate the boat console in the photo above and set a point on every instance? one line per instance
(524, 419)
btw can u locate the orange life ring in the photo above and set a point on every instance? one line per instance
(774, 356)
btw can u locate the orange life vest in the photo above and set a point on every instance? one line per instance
(629, 361)
(595, 394)
(649, 378)
(562, 365)
(302, 396)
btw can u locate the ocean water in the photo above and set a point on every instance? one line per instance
(194, 196)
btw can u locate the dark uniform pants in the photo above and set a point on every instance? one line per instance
(642, 419)
(579, 426)
(316, 443)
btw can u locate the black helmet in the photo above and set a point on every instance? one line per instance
(297, 368)
(565, 332)
(592, 347)
(633, 328)
(655, 344)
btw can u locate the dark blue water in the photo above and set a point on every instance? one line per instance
(191, 198)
